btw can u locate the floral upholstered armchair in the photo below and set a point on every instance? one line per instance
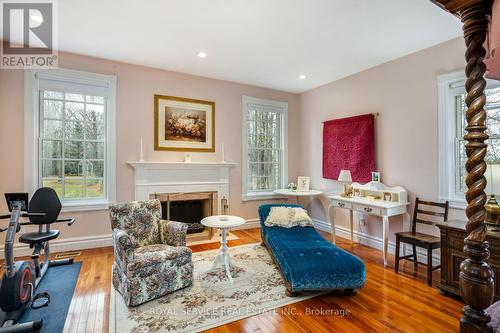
(151, 257)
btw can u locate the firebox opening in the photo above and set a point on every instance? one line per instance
(188, 211)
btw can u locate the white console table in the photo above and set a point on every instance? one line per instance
(396, 205)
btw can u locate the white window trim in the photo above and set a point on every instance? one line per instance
(244, 157)
(446, 136)
(31, 133)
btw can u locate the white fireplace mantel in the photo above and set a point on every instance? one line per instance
(170, 165)
(175, 177)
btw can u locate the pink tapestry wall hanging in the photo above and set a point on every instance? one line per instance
(349, 143)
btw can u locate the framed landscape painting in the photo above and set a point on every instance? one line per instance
(184, 124)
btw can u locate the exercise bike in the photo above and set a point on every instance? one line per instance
(21, 278)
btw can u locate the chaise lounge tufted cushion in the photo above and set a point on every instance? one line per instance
(308, 261)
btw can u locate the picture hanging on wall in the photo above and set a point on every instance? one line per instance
(184, 124)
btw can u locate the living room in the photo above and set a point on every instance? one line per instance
(263, 166)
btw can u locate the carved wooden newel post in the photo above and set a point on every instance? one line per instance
(476, 277)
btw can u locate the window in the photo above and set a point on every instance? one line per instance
(71, 117)
(264, 147)
(452, 124)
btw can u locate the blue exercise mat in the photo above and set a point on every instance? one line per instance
(59, 282)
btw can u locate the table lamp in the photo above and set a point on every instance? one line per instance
(345, 177)
(492, 207)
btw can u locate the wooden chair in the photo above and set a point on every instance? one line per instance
(417, 239)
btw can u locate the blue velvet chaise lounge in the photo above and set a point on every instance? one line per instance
(307, 261)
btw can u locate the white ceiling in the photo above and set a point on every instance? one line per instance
(265, 43)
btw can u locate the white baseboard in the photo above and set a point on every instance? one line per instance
(90, 242)
(66, 244)
(249, 224)
(372, 241)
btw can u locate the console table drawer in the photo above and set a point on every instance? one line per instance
(368, 209)
(341, 204)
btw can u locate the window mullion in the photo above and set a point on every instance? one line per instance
(63, 152)
(41, 134)
(84, 146)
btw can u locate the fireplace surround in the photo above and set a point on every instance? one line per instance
(184, 181)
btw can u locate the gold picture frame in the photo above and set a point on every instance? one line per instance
(184, 124)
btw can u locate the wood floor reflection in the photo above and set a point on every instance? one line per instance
(388, 302)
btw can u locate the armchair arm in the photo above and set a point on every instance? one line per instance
(123, 248)
(173, 233)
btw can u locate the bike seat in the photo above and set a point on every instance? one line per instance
(38, 237)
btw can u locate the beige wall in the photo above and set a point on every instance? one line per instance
(404, 92)
(136, 86)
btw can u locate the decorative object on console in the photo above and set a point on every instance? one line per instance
(303, 184)
(187, 158)
(307, 261)
(492, 207)
(292, 187)
(151, 257)
(345, 178)
(349, 144)
(373, 197)
(426, 212)
(184, 124)
(360, 202)
(492, 214)
(376, 177)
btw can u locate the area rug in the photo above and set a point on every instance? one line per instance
(59, 282)
(211, 301)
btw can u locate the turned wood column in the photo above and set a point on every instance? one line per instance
(476, 277)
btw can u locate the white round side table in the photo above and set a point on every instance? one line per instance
(297, 194)
(224, 223)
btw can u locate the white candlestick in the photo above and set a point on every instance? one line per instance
(142, 152)
(223, 154)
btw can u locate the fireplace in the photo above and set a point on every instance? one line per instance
(189, 208)
(189, 211)
(174, 181)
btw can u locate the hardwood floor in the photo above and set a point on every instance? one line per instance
(388, 302)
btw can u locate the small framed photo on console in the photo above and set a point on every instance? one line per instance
(303, 184)
(376, 177)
